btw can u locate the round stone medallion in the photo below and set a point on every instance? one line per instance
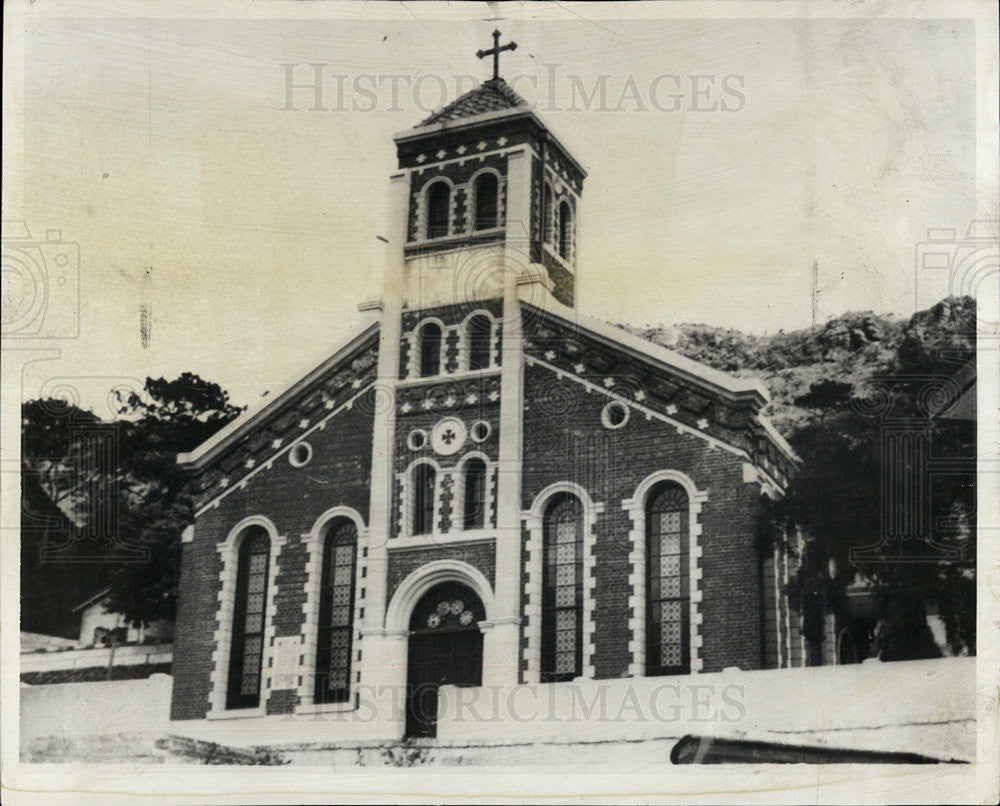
(448, 436)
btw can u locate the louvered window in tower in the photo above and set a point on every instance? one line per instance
(486, 199)
(438, 213)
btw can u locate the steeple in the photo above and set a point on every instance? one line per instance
(491, 191)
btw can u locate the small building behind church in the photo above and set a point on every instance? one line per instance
(483, 486)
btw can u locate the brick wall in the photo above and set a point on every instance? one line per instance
(293, 499)
(450, 315)
(459, 173)
(564, 440)
(480, 554)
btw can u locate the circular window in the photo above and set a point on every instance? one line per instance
(480, 430)
(300, 454)
(448, 436)
(615, 414)
(417, 440)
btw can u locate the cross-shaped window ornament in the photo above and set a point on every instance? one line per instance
(448, 437)
(495, 52)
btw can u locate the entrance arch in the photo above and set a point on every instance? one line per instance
(445, 648)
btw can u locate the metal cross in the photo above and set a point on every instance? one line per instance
(495, 51)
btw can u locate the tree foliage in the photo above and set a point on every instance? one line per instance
(838, 497)
(120, 487)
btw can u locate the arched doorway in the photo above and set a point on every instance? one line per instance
(445, 648)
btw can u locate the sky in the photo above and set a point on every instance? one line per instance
(725, 157)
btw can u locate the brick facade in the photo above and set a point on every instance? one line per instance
(562, 424)
(293, 499)
(582, 409)
(480, 554)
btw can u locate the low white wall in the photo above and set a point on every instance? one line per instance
(86, 658)
(379, 717)
(917, 706)
(74, 711)
(30, 641)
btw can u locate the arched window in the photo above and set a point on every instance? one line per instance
(475, 494)
(424, 482)
(562, 594)
(248, 620)
(336, 613)
(565, 229)
(479, 332)
(547, 213)
(486, 196)
(438, 203)
(667, 621)
(430, 349)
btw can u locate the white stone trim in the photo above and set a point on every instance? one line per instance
(459, 375)
(655, 354)
(300, 462)
(457, 476)
(406, 497)
(252, 417)
(570, 257)
(414, 344)
(420, 541)
(411, 589)
(779, 647)
(241, 483)
(229, 551)
(533, 519)
(422, 200)
(314, 541)
(470, 201)
(636, 509)
(763, 477)
(755, 475)
(464, 341)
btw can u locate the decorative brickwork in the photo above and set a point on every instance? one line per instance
(310, 617)
(562, 423)
(480, 554)
(533, 573)
(636, 509)
(529, 399)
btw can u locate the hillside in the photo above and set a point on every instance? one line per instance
(852, 348)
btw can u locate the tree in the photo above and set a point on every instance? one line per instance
(120, 494)
(168, 418)
(827, 396)
(836, 499)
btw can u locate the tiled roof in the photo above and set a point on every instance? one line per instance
(490, 96)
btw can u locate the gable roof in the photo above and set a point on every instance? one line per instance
(491, 96)
(722, 383)
(252, 417)
(727, 385)
(92, 599)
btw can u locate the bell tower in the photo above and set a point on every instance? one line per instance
(483, 211)
(491, 191)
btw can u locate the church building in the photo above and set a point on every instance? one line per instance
(483, 486)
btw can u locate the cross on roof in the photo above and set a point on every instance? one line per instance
(495, 51)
